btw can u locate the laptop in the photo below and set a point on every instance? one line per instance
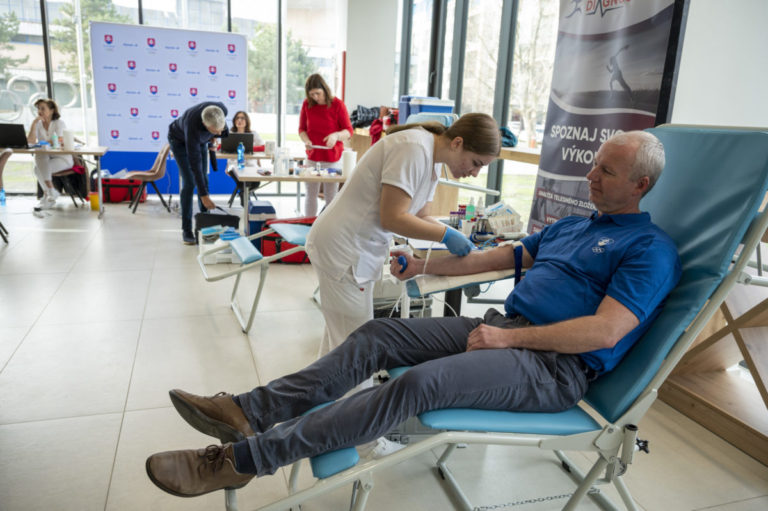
(13, 135)
(229, 143)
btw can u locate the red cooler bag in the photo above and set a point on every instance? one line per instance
(271, 244)
(121, 190)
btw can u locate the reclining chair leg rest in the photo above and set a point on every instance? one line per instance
(361, 490)
(230, 499)
(450, 480)
(585, 483)
(293, 480)
(246, 326)
(621, 487)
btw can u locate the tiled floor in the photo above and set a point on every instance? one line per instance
(98, 319)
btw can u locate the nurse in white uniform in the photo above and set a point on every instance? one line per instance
(389, 193)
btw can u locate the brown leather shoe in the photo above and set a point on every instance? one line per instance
(217, 416)
(196, 471)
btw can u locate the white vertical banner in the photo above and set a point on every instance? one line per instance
(145, 77)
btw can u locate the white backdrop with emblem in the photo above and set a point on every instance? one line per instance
(145, 77)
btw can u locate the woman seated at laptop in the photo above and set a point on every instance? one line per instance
(48, 122)
(241, 123)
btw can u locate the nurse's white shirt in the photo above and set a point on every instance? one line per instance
(58, 127)
(348, 234)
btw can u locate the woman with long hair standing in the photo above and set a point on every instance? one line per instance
(323, 127)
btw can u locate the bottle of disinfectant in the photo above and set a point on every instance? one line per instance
(470, 210)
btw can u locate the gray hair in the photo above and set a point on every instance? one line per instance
(649, 156)
(213, 117)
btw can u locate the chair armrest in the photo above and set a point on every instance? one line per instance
(423, 285)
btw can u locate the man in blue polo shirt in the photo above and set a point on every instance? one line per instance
(593, 287)
(188, 137)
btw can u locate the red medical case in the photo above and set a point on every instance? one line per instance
(272, 243)
(121, 190)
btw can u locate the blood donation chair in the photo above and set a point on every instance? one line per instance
(250, 257)
(708, 200)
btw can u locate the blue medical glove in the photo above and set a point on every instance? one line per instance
(457, 243)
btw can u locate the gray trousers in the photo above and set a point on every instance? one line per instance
(444, 375)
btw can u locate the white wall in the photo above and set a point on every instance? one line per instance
(723, 71)
(371, 43)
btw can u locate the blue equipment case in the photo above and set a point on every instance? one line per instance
(259, 212)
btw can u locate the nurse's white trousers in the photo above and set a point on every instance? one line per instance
(346, 306)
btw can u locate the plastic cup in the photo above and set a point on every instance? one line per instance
(93, 197)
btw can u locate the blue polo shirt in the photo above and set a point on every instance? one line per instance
(578, 261)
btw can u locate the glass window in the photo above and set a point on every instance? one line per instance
(398, 55)
(480, 56)
(479, 81)
(448, 48)
(260, 27)
(315, 40)
(418, 77)
(22, 81)
(163, 13)
(65, 56)
(532, 70)
(534, 56)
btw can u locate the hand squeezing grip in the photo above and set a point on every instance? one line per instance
(402, 261)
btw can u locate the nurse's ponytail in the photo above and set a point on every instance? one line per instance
(479, 132)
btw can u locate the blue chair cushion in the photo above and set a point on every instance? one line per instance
(569, 422)
(292, 233)
(244, 250)
(332, 462)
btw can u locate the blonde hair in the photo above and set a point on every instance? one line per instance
(479, 132)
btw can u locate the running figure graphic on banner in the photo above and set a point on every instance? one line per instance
(616, 75)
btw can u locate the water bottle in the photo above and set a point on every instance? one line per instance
(240, 156)
(2, 197)
(54, 141)
(281, 161)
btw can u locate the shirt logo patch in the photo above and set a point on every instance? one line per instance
(601, 243)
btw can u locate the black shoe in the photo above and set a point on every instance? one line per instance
(189, 238)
